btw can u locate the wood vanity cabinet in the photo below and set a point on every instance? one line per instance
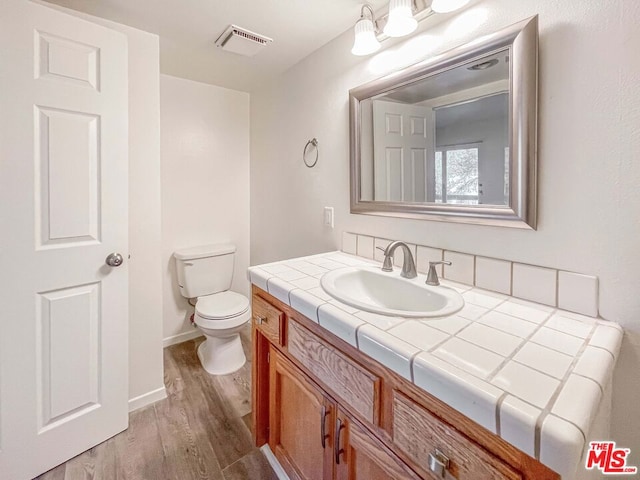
(329, 412)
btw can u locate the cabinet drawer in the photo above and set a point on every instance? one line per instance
(418, 433)
(268, 319)
(352, 383)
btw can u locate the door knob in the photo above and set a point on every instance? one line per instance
(114, 260)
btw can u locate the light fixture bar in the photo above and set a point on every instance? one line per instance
(421, 11)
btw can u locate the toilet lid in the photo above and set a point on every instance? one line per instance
(222, 305)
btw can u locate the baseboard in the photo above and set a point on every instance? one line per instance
(181, 337)
(273, 461)
(147, 399)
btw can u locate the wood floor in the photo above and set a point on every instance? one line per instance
(201, 431)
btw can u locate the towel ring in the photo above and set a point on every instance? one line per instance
(313, 142)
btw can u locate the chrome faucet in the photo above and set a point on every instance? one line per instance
(408, 266)
(432, 276)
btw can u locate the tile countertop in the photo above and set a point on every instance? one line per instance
(532, 374)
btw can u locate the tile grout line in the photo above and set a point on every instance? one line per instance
(547, 411)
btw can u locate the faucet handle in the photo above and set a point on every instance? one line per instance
(432, 276)
(387, 265)
(433, 264)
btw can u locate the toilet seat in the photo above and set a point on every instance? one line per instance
(222, 310)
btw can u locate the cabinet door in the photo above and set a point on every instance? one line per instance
(359, 456)
(300, 422)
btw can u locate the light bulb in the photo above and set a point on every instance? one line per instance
(446, 6)
(365, 41)
(400, 21)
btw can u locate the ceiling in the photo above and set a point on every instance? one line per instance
(189, 28)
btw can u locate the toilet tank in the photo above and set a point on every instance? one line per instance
(204, 270)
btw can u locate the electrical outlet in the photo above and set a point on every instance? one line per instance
(328, 216)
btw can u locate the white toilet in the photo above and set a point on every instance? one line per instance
(205, 273)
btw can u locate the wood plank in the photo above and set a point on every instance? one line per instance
(188, 452)
(137, 445)
(253, 466)
(229, 436)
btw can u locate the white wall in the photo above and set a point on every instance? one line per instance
(589, 152)
(205, 183)
(146, 382)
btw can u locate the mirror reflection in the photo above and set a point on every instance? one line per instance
(443, 139)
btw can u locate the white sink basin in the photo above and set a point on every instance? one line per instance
(387, 293)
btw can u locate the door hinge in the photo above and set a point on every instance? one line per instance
(268, 357)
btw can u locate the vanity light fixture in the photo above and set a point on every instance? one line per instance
(446, 6)
(365, 41)
(400, 21)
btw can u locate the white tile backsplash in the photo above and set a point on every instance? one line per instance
(378, 243)
(537, 284)
(426, 255)
(365, 246)
(461, 268)
(398, 257)
(578, 293)
(573, 292)
(493, 274)
(349, 243)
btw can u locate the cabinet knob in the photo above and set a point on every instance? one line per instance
(438, 463)
(260, 319)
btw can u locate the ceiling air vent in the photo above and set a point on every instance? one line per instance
(241, 41)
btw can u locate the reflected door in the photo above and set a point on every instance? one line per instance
(63, 209)
(403, 152)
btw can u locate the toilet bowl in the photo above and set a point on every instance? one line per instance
(205, 273)
(221, 317)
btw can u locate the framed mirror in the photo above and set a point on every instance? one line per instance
(452, 138)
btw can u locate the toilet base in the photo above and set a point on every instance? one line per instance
(222, 355)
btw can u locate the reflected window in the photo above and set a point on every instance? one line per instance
(456, 175)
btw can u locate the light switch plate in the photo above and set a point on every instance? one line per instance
(328, 216)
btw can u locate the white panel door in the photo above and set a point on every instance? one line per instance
(63, 209)
(403, 151)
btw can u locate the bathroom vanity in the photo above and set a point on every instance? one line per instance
(330, 409)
